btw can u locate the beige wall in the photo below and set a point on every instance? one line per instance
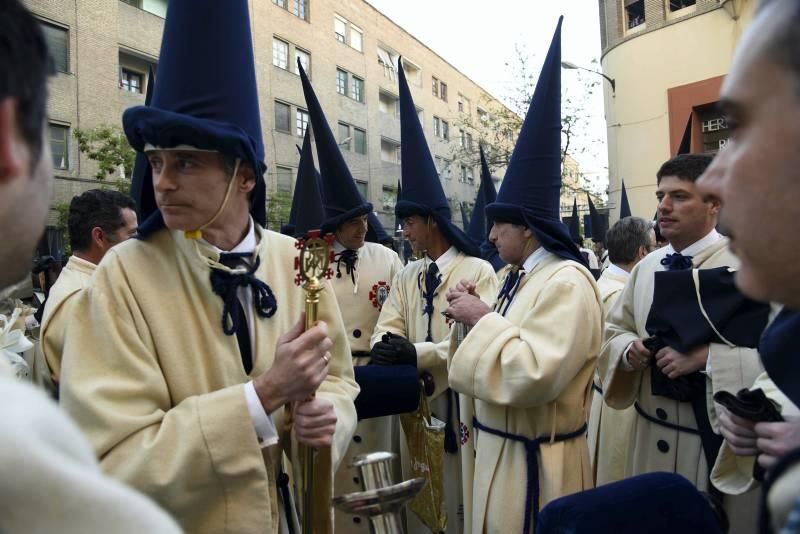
(645, 66)
(89, 95)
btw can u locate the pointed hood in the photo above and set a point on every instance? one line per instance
(210, 109)
(479, 226)
(598, 223)
(422, 190)
(624, 207)
(575, 222)
(376, 233)
(342, 199)
(531, 190)
(308, 212)
(686, 142)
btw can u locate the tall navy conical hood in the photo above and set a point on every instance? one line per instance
(479, 226)
(308, 212)
(531, 190)
(686, 141)
(624, 207)
(376, 233)
(342, 199)
(598, 223)
(575, 222)
(141, 183)
(422, 190)
(210, 108)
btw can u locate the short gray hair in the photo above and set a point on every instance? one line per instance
(626, 237)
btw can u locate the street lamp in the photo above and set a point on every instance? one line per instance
(573, 66)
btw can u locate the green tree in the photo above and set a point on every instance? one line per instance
(279, 204)
(62, 223)
(108, 146)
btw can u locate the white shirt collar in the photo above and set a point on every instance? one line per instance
(446, 259)
(712, 237)
(618, 271)
(535, 259)
(246, 245)
(338, 247)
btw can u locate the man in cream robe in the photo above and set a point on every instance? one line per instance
(528, 362)
(666, 435)
(99, 219)
(411, 328)
(50, 478)
(629, 241)
(188, 350)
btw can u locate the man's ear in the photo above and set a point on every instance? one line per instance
(247, 179)
(12, 150)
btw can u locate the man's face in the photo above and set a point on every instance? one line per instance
(757, 174)
(415, 229)
(24, 196)
(124, 232)
(510, 240)
(685, 215)
(353, 233)
(189, 186)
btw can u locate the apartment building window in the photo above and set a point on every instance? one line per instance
(359, 141)
(483, 116)
(462, 138)
(469, 142)
(284, 179)
(301, 122)
(388, 60)
(131, 81)
(340, 29)
(443, 91)
(57, 39)
(464, 105)
(413, 72)
(437, 126)
(439, 162)
(435, 87)
(390, 151)
(280, 53)
(439, 88)
(344, 136)
(300, 9)
(445, 130)
(363, 188)
(59, 145)
(282, 117)
(348, 33)
(421, 117)
(389, 197)
(358, 89)
(634, 13)
(341, 82)
(388, 103)
(134, 3)
(305, 60)
(356, 38)
(676, 5)
(280, 3)
(470, 175)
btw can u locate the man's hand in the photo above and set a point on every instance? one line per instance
(315, 423)
(674, 364)
(777, 439)
(467, 308)
(738, 432)
(393, 350)
(464, 287)
(300, 366)
(638, 355)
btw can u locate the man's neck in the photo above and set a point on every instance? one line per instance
(87, 256)
(227, 237)
(681, 243)
(627, 267)
(436, 251)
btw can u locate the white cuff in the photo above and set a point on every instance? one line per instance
(624, 364)
(262, 421)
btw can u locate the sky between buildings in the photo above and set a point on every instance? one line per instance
(479, 38)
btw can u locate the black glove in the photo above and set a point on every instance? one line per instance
(394, 350)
